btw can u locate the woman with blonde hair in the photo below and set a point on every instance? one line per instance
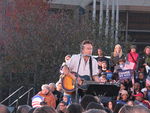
(117, 50)
(116, 55)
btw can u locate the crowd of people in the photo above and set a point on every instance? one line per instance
(131, 73)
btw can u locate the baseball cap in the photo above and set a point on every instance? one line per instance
(139, 95)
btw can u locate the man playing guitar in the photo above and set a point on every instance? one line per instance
(79, 67)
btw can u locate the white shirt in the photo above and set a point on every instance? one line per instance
(84, 68)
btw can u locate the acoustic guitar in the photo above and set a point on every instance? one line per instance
(69, 84)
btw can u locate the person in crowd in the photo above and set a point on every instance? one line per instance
(141, 79)
(101, 56)
(87, 99)
(45, 109)
(123, 97)
(145, 60)
(103, 78)
(128, 84)
(124, 86)
(118, 107)
(45, 96)
(133, 56)
(3, 109)
(139, 100)
(148, 88)
(99, 66)
(23, 109)
(111, 105)
(120, 66)
(67, 58)
(105, 71)
(62, 107)
(144, 91)
(58, 95)
(134, 109)
(135, 89)
(115, 56)
(52, 87)
(67, 98)
(104, 66)
(126, 109)
(59, 87)
(94, 105)
(130, 103)
(59, 91)
(74, 108)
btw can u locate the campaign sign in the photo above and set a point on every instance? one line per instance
(125, 74)
(109, 75)
(128, 65)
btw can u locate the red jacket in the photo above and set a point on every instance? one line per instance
(134, 59)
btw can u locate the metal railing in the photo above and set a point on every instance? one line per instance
(17, 100)
(12, 94)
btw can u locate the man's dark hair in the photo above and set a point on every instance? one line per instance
(87, 99)
(94, 111)
(74, 108)
(23, 109)
(45, 109)
(117, 107)
(94, 105)
(63, 103)
(85, 42)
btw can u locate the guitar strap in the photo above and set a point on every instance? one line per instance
(136, 70)
(90, 65)
(133, 58)
(79, 66)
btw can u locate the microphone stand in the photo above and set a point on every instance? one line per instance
(76, 82)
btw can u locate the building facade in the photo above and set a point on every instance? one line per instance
(133, 15)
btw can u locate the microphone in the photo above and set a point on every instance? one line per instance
(86, 55)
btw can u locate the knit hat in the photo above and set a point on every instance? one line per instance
(124, 92)
(133, 47)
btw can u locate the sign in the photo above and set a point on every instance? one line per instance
(125, 74)
(128, 65)
(109, 75)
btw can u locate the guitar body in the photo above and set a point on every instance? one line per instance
(68, 84)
